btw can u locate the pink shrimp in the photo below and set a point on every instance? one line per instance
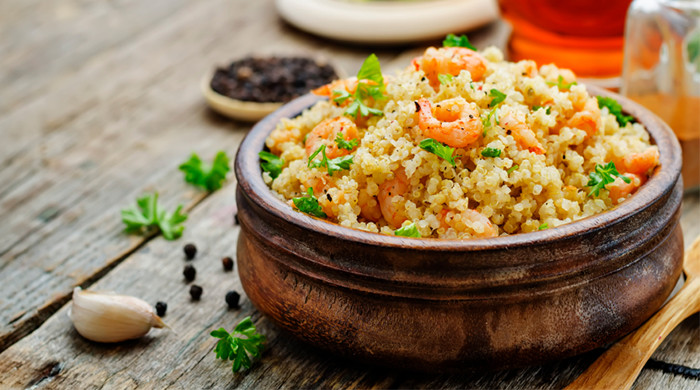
(619, 190)
(470, 220)
(514, 124)
(349, 85)
(587, 119)
(453, 122)
(326, 132)
(388, 191)
(450, 60)
(639, 163)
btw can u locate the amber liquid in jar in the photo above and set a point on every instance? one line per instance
(583, 35)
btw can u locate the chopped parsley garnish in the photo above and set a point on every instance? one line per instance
(498, 97)
(332, 165)
(543, 226)
(240, 345)
(343, 144)
(309, 204)
(445, 78)
(511, 169)
(409, 230)
(693, 47)
(561, 84)
(602, 176)
(370, 85)
(491, 152)
(549, 109)
(271, 164)
(203, 175)
(439, 149)
(452, 40)
(614, 108)
(148, 216)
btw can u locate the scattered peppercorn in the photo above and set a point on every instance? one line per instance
(227, 262)
(161, 308)
(196, 292)
(235, 219)
(189, 272)
(190, 251)
(232, 299)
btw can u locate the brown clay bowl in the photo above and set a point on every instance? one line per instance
(449, 305)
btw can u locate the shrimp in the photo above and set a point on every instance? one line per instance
(349, 85)
(388, 191)
(326, 132)
(450, 60)
(587, 119)
(453, 122)
(619, 190)
(640, 163)
(514, 124)
(478, 224)
(369, 206)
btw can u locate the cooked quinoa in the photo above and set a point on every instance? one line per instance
(518, 191)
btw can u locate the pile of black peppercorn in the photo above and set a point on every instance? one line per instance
(271, 79)
(189, 272)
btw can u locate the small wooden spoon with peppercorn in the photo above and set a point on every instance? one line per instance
(620, 365)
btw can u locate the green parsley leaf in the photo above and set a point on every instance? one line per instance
(487, 120)
(602, 176)
(438, 149)
(370, 85)
(616, 109)
(147, 216)
(343, 144)
(693, 48)
(203, 175)
(549, 109)
(445, 78)
(491, 152)
(561, 84)
(240, 345)
(452, 40)
(341, 95)
(498, 97)
(332, 165)
(309, 204)
(543, 226)
(408, 231)
(511, 169)
(271, 164)
(315, 164)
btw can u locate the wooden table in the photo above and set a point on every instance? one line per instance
(99, 104)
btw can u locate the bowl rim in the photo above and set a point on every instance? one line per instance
(249, 177)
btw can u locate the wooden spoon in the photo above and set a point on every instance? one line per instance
(620, 365)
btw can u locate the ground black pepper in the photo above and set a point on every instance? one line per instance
(190, 251)
(271, 79)
(161, 308)
(196, 292)
(189, 272)
(227, 262)
(232, 299)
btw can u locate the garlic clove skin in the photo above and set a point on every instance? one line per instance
(111, 318)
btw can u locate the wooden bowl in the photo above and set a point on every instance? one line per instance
(450, 305)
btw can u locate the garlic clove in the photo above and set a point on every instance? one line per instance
(110, 318)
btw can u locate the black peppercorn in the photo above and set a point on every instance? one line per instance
(227, 262)
(189, 272)
(190, 251)
(161, 308)
(232, 299)
(195, 292)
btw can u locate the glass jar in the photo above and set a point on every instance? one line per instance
(661, 70)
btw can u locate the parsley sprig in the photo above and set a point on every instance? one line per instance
(148, 216)
(240, 345)
(491, 152)
(309, 204)
(602, 176)
(452, 40)
(561, 84)
(498, 99)
(332, 165)
(614, 108)
(209, 177)
(370, 84)
(439, 149)
(343, 144)
(409, 230)
(271, 164)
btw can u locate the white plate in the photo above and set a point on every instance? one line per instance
(386, 21)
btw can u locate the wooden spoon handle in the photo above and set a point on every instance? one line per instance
(620, 365)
